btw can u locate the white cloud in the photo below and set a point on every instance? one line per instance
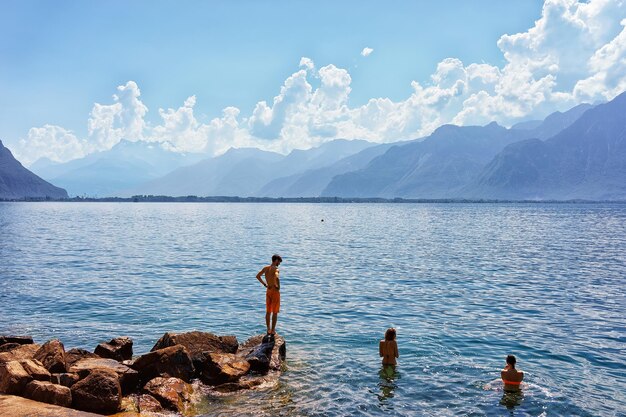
(52, 142)
(268, 122)
(180, 130)
(307, 63)
(124, 119)
(575, 52)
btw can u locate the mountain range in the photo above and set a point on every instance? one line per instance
(577, 154)
(107, 173)
(446, 164)
(586, 160)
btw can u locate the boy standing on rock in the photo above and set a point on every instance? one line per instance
(272, 296)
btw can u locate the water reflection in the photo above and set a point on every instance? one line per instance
(512, 399)
(387, 383)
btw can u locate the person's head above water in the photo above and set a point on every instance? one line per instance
(510, 360)
(390, 334)
(276, 259)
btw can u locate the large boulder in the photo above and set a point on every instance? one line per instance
(52, 355)
(47, 392)
(198, 342)
(120, 349)
(172, 362)
(74, 355)
(264, 352)
(99, 392)
(20, 340)
(35, 369)
(219, 368)
(13, 378)
(19, 352)
(172, 393)
(128, 378)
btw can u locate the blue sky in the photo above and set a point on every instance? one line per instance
(57, 59)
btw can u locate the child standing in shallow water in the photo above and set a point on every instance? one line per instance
(388, 348)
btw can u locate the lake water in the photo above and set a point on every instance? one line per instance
(464, 284)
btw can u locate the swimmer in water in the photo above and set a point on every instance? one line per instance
(388, 348)
(511, 377)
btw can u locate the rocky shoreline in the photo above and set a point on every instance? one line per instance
(172, 378)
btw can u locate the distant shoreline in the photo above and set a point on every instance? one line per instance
(338, 200)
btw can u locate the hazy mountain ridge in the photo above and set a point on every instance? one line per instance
(17, 182)
(444, 164)
(586, 160)
(109, 172)
(244, 172)
(312, 182)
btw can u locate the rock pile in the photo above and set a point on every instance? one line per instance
(111, 380)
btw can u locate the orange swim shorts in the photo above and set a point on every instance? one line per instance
(272, 301)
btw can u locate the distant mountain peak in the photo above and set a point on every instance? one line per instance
(17, 182)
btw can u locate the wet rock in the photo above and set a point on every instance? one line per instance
(13, 378)
(246, 382)
(128, 378)
(198, 342)
(19, 353)
(219, 368)
(74, 355)
(257, 351)
(259, 359)
(35, 369)
(148, 404)
(52, 355)
(120, 349)
(172, 393)
(20, 340)
(65, 379)
(129, 405)
(172, 361)
(99, 392)
(47, 392)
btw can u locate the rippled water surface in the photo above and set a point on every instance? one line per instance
(465, 285)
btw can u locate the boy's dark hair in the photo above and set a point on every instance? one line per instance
(511, 360)
(276, 258)
(390, 334)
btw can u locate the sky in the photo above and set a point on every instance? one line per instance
(77, 77)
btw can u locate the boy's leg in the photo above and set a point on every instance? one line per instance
(274, 320)
(267, 321)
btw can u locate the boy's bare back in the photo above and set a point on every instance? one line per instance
(272, 277)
